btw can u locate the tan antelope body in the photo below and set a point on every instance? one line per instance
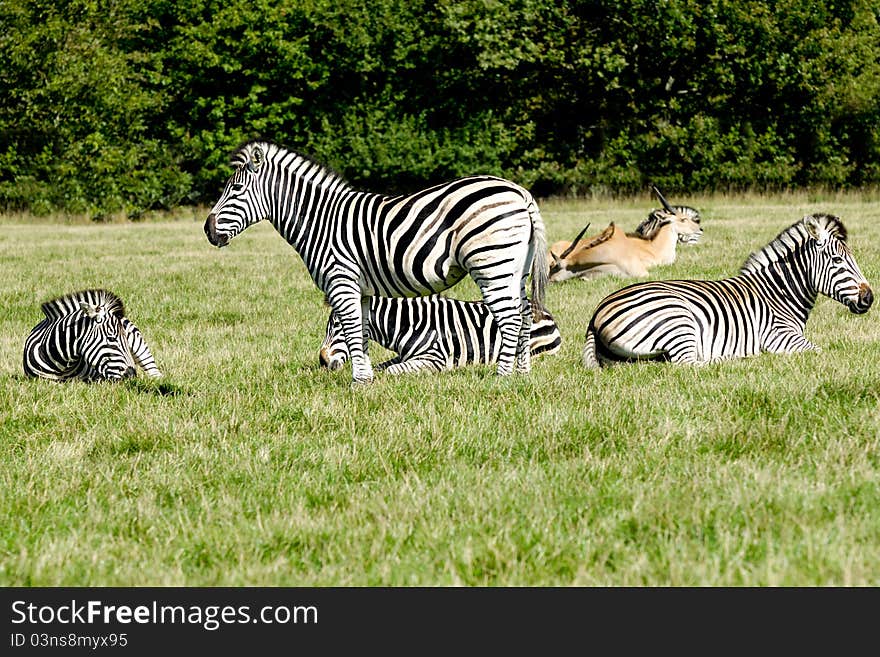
(616, 252)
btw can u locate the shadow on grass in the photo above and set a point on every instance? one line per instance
(150, 386)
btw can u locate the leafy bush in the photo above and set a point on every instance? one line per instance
(138, 105)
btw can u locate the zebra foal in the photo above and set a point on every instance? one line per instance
(86, 335)
(762, 309)
(357, 244)
(434, 333)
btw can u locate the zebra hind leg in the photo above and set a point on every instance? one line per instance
(523, 346)
(685, 351)
(503, 297)
(509, 322)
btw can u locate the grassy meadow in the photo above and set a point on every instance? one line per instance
(247, 465)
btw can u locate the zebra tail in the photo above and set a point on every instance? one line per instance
(540, 269)
(589, 355)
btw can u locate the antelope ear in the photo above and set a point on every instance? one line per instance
(815, 229)
(256, 159)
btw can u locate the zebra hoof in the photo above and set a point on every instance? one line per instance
(357, 383)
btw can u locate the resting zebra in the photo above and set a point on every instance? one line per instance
(763, 309)
(357, 244)
(657, 218)
(86, 335)
(434, 333)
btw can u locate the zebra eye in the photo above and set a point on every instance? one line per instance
(837, 260)
(237, 187)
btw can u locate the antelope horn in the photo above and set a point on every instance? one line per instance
(662, 200)
(576, 240)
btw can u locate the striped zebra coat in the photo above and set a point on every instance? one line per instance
(656, 219)
(763, 309)
(86, 335)
(434, 333)
(356, 244)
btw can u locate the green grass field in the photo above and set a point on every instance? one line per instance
(247, 465)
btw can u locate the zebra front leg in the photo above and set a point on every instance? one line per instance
(424, 353)
(139, 349)
(349, 311)
(788, 342)
(421, 364)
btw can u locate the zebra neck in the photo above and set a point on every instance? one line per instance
(317, 207)
(57, 366)
(786, 288)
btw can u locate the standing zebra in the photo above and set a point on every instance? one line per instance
(763, 309)
(86, 335)
(434, 333)
(358, 244)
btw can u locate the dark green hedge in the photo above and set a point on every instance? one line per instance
(130, 105)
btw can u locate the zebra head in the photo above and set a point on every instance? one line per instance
(685, 221)
(241, 204)
(103, 345)
(836, 273)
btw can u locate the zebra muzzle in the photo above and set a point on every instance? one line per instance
(329, 360)
(865, 300)
(211, 232)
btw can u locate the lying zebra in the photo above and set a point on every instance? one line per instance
(86, 335)
(657, 218)
(763, 309)
(434, 333)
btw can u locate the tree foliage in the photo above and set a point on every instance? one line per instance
(125, 105)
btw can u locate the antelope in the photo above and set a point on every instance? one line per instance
(616, 252)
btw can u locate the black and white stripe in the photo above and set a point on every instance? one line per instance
(763, 309)
(434, 333)
(86, 335)
(656, 219)
(357, 245)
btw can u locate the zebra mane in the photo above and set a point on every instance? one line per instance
(240, 158)
(789, 240)
(69, 303)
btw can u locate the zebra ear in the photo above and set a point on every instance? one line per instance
(256, 159)
(97, 313)
(815, 229)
